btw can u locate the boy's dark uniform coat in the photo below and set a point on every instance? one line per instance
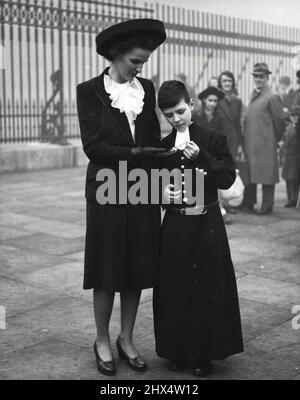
(196, 310)
(122, 241)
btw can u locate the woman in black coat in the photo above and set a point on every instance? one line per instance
(230, 107)
(118, 123)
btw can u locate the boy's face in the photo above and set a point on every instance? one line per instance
(295, 118)
(210, 102)
(179, 116)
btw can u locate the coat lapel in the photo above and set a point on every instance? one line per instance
(140, 121)
(119, 119)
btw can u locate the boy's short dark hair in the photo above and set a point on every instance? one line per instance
(171, 93)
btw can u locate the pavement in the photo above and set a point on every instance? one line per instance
(49, 327)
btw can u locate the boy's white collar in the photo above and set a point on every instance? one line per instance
(182, 138)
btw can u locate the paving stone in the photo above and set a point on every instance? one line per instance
(16, 220)
(237, 257)
(18, 297)
(11, 233)
(258, 317)
(254, 364)
(69, 319)
(57, 278)
(59, 229)
(263, 248)
(286, 271)
(282, 336)
(77, 256)
(49, 360)
(14, 262)
(282, 341)
(77, 217)
(296, 378)
(268, 291)
(15, 338)
(47, 243)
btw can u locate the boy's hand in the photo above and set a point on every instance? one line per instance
(171, 195)
(191, 150)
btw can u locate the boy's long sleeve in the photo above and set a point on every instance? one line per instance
(219, 166)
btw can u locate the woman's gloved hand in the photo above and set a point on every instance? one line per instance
(146, 151)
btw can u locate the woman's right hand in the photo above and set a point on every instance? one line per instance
(170, 194)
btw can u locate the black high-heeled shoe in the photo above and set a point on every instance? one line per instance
(104, 367)
(137, 363)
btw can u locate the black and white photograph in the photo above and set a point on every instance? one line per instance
(149, 193)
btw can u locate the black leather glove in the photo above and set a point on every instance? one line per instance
(146, 151)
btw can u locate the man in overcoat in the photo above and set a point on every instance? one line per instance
(264, 125)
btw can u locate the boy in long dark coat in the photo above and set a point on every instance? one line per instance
(196, 310)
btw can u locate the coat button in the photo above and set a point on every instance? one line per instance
(196, 280)
(181, 158)
(185, 199)
(195, 266)
(182, 166)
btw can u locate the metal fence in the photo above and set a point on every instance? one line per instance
(48, 47)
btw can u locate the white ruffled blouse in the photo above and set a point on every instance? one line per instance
(128, 97)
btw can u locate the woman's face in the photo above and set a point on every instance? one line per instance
(210, 102)
(128, 65)
(226, 83)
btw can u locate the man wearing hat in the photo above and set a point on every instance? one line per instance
(286, 93)
(118, 123)
(264, 124)
(291, 158)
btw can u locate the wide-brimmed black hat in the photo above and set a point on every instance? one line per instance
(261, 69)
(123, 31)
(211, 90)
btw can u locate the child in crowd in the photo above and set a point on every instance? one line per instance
(196, 309)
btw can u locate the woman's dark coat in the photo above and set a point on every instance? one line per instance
(217, 122)
(291, 154)
(196, 310)
(122, 241)
(230, 107)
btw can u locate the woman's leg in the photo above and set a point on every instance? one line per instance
(129, 305)
(103, 303)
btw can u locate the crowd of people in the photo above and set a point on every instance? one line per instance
(263, 134)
